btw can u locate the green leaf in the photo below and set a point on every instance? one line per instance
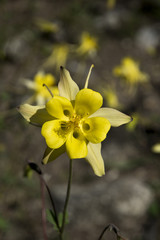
(60, 219)
(50, 216)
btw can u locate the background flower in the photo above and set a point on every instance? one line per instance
(41, 95)
(129, 70)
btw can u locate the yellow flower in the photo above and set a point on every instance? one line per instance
(88, 44)
(74, 122)
(58, 56)
(111, 97)
(41, 95)
(47, 26)
(110, 4)
(156, 148)
(129, 70)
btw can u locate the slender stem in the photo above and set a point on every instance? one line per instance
(43, 210)
(67, 198)
(36, 168)
(52, 202)
(110, 227)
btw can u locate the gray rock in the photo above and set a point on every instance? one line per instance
(124, 200)
(147, 38)
(112, 19)
(17, 48)
(129, 197)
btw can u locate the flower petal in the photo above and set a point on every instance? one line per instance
(59, 107)
(54, 133)
(41, 78)
(76, 145)
(87, 102)
(95, 129)
(115, 117)
(67, 87)
(51, 154)
(36, 115)
(95, 159)
(29, 84)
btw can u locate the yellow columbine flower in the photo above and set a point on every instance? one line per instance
(111, 97)
(41, 95)
(88, 44)
(156, 148)
(110, 4)
(74, 122)
(47, 26)
(58, 56)
(129, 70)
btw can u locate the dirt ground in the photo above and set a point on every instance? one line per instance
(129, 193)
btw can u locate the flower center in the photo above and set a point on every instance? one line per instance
(72, 124)
(75, 121)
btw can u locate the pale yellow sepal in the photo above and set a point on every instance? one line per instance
(67, 87)
(95, 159)
(36, 115)
(52, 154)
(115, 117)
(29, 84)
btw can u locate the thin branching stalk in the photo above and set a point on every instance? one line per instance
(112, 228)
(36, 168)
(53, 204)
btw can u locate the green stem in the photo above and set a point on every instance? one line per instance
(67, 199)
(111, 227)
(53, 204)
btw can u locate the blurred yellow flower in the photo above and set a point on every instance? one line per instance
(156, 148)
(111, 97)
(110, 4)
(88, 45)
(74, 122)
(129, 70)
(58, 56)
(46, 26)
(41, 94)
